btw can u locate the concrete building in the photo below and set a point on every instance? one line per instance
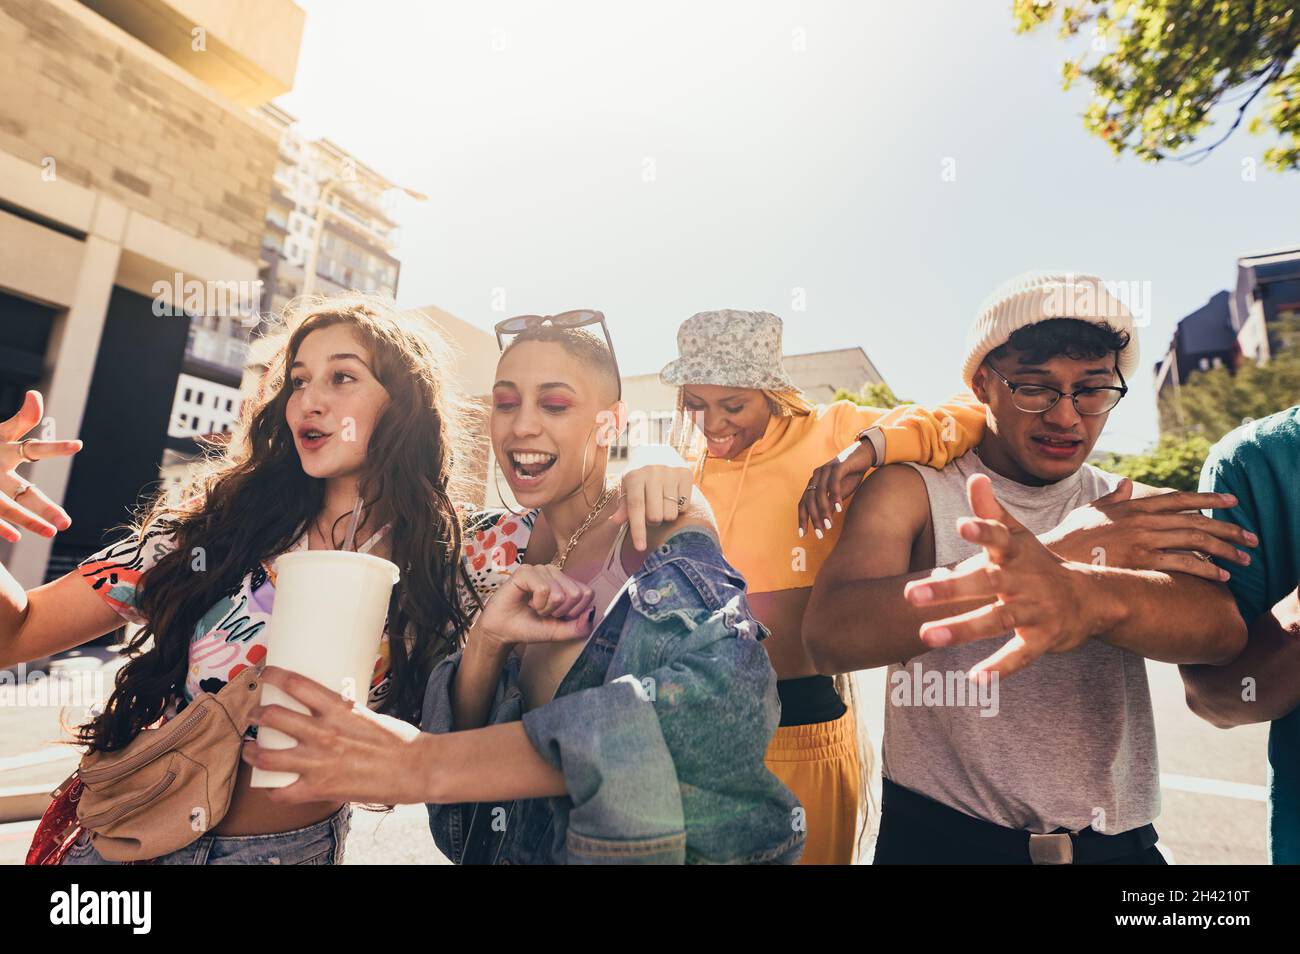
(1265, 301)
(474, 366)
(357, 230)
(134, 185)
(1201, 341)
(357, 236)
(1252, 322)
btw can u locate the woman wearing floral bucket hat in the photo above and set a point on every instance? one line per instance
(763, 469)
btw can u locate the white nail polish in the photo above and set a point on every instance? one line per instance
(820, 535)
(827, 521)
(838, 508)
(801, 532)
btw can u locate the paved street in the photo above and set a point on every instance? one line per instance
(1213, 781)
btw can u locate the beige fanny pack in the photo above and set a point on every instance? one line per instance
(171, 784)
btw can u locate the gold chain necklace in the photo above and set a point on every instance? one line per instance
(560, 558)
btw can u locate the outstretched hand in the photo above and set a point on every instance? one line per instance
(1036, 594)
(22, 504)
(1163, 532)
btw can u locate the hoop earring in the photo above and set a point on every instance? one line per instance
(496, 482)
(582, 484)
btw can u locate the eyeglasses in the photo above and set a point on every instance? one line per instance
(565, 319)
(1039, 398)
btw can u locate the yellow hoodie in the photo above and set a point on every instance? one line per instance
(755, 498)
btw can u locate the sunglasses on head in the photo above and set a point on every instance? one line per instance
(565, 319)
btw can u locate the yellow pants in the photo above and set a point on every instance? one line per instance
(819, 763)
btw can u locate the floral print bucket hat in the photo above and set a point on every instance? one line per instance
(736, 349)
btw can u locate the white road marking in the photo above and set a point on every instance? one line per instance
(39, 757)
(1214, 786)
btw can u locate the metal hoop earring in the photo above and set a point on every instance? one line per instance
(582, 485)
(496, 482)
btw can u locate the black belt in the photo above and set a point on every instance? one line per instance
(1061, 847)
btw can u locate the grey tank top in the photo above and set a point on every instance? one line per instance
(1067, 742)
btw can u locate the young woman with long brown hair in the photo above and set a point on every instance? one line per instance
(357, 406)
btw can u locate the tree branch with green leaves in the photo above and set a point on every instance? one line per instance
(1159, 68)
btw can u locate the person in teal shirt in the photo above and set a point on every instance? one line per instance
(1259, 463)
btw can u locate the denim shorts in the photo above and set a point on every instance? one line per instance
(318, 844)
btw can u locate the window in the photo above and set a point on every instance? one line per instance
(187, 393)
(661, 424)
(230, 404)
(618, 451)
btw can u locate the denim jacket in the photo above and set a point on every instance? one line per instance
(660, 728)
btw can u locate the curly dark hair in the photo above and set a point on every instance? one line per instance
(1071, 337)
(257, 499)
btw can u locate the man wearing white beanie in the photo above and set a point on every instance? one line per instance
(1018, 727)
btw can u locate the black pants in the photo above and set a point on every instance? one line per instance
(915, 830)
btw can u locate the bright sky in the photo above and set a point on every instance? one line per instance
(655, 160)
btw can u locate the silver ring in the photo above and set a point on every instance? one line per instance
(680, 501)
(22, 450)
(26, 487)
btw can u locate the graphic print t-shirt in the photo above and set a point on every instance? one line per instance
(231, 635)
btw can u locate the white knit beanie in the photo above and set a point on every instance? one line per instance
(1038, 296)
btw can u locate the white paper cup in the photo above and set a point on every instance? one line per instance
(326, 623)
